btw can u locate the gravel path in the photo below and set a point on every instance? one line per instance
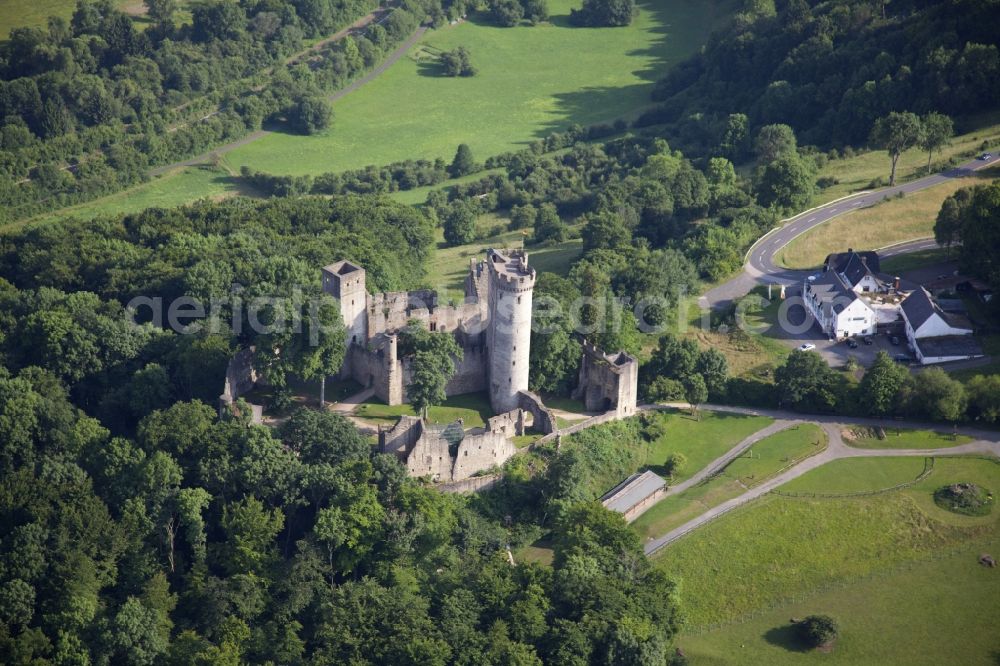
(986, 443)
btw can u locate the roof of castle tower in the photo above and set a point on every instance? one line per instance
(342, 268)
(510, 264)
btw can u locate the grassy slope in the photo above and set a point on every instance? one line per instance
(770, 455)
(855, 475)
(943, 611)
(779, 549)
(173, 189)
(856, 173)
(531, 81)
(892, 221)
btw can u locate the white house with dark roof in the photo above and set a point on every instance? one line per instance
(859, 271)
(934, 335)
(837, 308)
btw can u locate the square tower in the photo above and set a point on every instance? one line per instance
(346, 282)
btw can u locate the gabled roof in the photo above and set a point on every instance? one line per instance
(632, 490)
(919, 307)
(841, 261)
(831, 292)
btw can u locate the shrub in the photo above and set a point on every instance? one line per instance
(817, 630)
(965, 498)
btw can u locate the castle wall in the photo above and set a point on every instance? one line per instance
(608, 382)
(401, 438)
(544, 420)
(430, 457)
(479, 452)
(510, 424)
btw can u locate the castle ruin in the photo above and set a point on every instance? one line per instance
(492, 325)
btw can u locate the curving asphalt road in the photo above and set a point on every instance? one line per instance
(760, 266)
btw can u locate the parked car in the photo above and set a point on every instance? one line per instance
(903, 358)
(986, 157)
(894, 340)
(852, 343)
(807, 346)
(868, 340)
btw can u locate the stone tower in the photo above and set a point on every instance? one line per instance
(508, 332)
(346, 282)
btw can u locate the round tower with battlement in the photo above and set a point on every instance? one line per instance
(508, 333)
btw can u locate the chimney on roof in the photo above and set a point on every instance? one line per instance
(864, 260)
(850, 250)
(895, 283)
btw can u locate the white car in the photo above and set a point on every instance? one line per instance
(808, 346)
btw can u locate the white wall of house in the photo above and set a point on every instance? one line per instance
(868, 284)
(856, 319)
(936, 326)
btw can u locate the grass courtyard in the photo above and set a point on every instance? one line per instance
(473, 408)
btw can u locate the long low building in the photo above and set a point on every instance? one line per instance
(934, 335)
(635, 494)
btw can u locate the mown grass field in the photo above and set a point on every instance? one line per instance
(942, 611)
(780, 549)
(892, 221)
(896, 438)
(857, 475)
(473, 408)
(857, 172)
(765, 459)
(530, 82)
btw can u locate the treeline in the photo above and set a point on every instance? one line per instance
(87, 107)
(829, 69)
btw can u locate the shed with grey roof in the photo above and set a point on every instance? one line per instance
(635, 494)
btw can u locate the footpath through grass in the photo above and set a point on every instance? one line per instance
(765, 459)
(783, 549)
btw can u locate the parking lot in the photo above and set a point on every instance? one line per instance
(836, 353)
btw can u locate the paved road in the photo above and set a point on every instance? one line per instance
(760, 266)
(986, 443)
(259, 134)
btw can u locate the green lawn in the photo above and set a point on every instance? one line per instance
(941, 611)
(896, 438)
(473, 408)
(857, 475)
(531, 81)
(700, 440)
(781, 549)
(769, 456)
(902, 263)
(773, 454)
(35, 13)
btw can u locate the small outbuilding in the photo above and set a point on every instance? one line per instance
(635, 494)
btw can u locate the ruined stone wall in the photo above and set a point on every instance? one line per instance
(607, 381)
(470, 372)
(479, 452)
(544, 421)
(401, 438)
(473, 484)
(509, 424)
(240, 374)
(430, 457)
